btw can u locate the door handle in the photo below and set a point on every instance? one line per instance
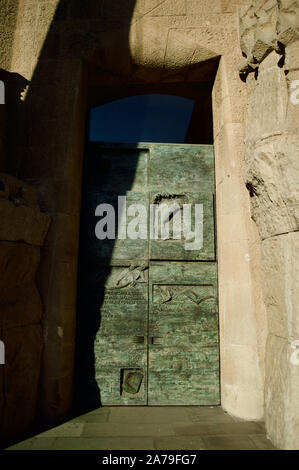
(156, 341)
(138, 339)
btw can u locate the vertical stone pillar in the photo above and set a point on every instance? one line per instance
(242, 314)
(270, 39)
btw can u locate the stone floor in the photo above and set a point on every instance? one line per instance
(152, 428)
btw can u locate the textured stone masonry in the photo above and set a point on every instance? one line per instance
(269, 35)
(22, 232)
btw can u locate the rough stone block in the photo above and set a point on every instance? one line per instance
(21, 376)
(261, 49)
(56, 397)
(288, 23)
(16, 189)
(270, 97)
(272, 180)
(22, 223)
(18, 265)
(267, 25)
(20, 306)
(280, 258)
(244, 9)
(292, 56)
(287, 35)
(281, 394)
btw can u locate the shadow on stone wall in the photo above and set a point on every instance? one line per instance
(46, 151)
(23, 229)
(21, 236)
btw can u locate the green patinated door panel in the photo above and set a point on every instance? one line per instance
(118, 291)
(120, 344)
(166, 247)
(180, 175)
(154, 296)
(183, 334)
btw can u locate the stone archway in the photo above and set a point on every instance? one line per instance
(184, 59)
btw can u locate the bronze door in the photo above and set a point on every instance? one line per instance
(153, 294)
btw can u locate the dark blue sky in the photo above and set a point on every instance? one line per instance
(142, 118)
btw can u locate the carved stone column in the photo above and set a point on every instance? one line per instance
(270, 42)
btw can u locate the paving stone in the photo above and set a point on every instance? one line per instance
(65, 430)
(35, 443)
(43, 443)
(149, 415)
(211, 415)
(262, 442)
(24, 445)
(180, 443)
(124, 430)
(229, 443)
(241, 420)
(92, 417)
(106, 443)
(218, 428)
(149, 428)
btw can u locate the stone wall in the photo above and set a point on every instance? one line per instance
(22, 232)
(269, 33)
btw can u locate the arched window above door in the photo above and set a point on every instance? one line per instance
(142, 118)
